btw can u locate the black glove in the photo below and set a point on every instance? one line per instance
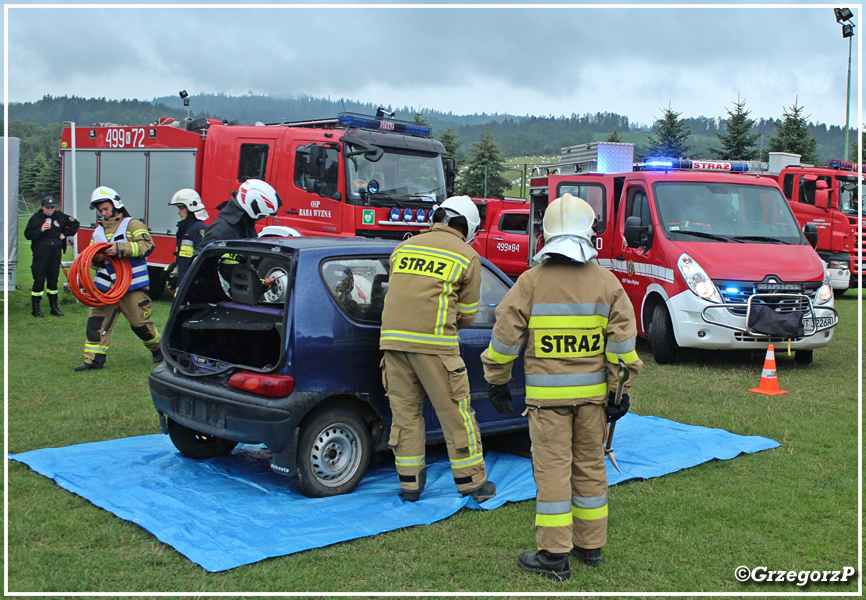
(500, 397)
(614, 413)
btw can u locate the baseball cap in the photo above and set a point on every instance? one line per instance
(48, 201)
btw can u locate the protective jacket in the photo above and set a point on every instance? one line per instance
(61, 223)
(576, 322)
(232, 223)
(133, 242)
(190, 232)
(434, 289)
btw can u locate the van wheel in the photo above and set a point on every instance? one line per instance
(198, 445)
(661, 334)
(333, 452)
(157, 282)
(803, 357)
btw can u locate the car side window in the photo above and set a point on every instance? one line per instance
(358, 286)
(492, 291)
(512, 223)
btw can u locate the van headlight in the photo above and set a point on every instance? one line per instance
(825, 292)
(697, 280)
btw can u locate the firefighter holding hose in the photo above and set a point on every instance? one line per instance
(128, 239)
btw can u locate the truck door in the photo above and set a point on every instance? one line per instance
(806, 210)
(508, 242)
(633, 264)
(313, 208)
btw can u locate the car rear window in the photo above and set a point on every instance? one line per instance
(358, 286)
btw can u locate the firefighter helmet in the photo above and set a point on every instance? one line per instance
(105, 194)
(191, 200)
(568, 231)
(457, 207)
(258, 199)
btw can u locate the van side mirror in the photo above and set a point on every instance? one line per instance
(822, 195)
(316, 162)
(810, 230)
(450, 175)
(637, 235)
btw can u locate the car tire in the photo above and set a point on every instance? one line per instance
(803, 357)
(194, 444)
(661, 334)
(333, 452)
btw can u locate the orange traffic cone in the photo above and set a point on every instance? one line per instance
(769, 385)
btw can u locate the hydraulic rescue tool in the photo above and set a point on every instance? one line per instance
(622, 376)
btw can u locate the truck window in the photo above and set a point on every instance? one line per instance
(400, 174)
(510, 223)
(358, 286)
(807, 189)
(637, 205)
(788, 185)
(332, 170)
(253, 162)
(594, 196)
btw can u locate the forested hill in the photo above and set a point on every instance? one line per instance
(516, 135)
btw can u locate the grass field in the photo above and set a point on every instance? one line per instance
(791, 508)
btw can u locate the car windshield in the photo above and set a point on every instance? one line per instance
(723, 211)
(399, 176)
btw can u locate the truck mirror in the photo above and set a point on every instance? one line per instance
(637, 235)
(316, 163)
(450, 175)
(822, 195)
(810, 230)
(810, 177)
(370, 152)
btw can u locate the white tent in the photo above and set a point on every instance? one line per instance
(10, 220)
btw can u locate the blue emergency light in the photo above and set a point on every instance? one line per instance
(394, 215)
(668, 164)
(420, 215)
(408, 214)
(844, 165)
(389, 125)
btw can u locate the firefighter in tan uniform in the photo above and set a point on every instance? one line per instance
(434, 289)
(576, 324)
(130, 239)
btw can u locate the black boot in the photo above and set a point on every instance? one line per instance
(35, 300)
(52, 304)
(415, 495)
(484, 492)
(157, 357)
(590, 557)
(553, 566)
(87, 367)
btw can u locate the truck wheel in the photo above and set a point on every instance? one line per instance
(194, 444)
(803, 357)
(661, 334)
(333, 452)
(157, 282)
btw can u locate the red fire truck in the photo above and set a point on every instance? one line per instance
(836, 219)
(353, 175)
(710, 258)
(503, 236)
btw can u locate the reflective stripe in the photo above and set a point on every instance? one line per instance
(463, 406)
(185, 251)
(96, 348)
(620, 347)
(438, 252)
(566, 386)
(409, 461)
(497, 346)
(565, 379)
(567, 322)
(473, 459)
(420, 338)
(552, 508)
(594, 502)
(36, 294)
(589, 514)
(560, 309)
(467, 308)
(554, 520)
(627, 357)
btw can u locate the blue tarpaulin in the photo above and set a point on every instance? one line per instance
(231, 511)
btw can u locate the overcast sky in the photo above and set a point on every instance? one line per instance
(554, 60)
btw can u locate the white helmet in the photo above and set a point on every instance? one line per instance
(105, 194)
(568, 231)
(279, 231)
(258, 198)
(191, 200)
(455, 207)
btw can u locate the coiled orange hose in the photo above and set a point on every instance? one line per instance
(80, 277)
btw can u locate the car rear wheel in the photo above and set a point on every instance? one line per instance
(333, 452)
(803, 357)
(195, 444)
(661, 334)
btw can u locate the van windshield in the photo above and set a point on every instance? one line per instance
(398, 178)
(848, 196)
(723, 211)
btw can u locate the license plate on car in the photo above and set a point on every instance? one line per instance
(822, 322)
(201, 411)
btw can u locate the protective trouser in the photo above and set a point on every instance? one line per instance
(571, 476)
(135, 306)
(406, 376)
(45, 267)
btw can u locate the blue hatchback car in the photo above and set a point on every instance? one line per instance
(276, 341)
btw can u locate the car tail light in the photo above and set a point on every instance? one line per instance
(266, 385)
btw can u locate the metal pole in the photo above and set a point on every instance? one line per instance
(485, 181)
(848, 97)
(74, 192)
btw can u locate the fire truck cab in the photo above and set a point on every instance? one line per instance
(709, 258)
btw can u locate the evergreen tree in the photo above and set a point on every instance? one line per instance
(671, 136)
(49, 178)
(29, 178)
(853, 153)
(484, 165)
(614, 136)
(792, 135)
(738, 142)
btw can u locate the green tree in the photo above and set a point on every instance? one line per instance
(29, 178)
(614, 136)
(49, 178)
(671, 136)
(792, 135)
(482, 177)
(738, 142)
(862, 147)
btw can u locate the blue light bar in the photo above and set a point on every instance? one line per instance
(732, 290)
(388, 125)
(408, 214)
(394, 215)
(844, 165)
(667, 164)
(420, 215)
